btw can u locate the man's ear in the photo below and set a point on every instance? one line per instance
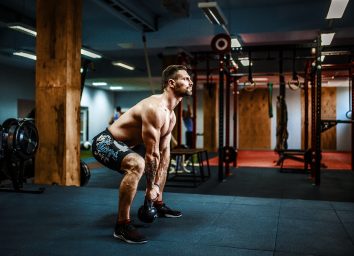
(171, 83)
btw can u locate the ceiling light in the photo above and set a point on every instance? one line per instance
(337, 9)
(90, 54)
(99, 83)
(30, 31)
(24, 29)
(122, 65)
(26, 55)
(116, 88)
(326, 38)
(235, 43)
(213, 12)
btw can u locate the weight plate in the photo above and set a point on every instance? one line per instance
(221, 43)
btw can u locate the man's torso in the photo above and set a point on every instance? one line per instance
(128, 128)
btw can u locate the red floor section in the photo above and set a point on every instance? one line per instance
(267, 158)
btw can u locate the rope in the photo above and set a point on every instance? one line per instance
(148, 65)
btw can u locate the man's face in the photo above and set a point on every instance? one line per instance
(184, 84)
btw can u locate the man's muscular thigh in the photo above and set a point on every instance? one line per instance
(133, 163)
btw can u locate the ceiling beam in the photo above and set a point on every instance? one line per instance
(136, 16)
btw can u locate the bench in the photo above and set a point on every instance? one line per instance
(294, 154)
(196, 175)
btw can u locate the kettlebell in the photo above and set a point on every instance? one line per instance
(85, 173)
(147, 213)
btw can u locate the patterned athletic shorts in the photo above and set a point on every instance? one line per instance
(110, 152)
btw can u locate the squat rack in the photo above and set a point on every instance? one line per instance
(321, 124)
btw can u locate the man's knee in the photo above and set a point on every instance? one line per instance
(133, 163)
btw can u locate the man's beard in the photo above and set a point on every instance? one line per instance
(185, 93)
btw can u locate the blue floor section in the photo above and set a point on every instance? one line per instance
(80, 221)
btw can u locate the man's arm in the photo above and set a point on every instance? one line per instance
(165, 152)
(164, 159)
(152, 121)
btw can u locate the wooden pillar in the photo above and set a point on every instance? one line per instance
(58, 91)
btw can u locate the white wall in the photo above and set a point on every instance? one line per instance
(343, 130)
(15, 84)
(293, 102)
(100, 105)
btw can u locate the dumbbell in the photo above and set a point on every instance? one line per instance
(147, 213)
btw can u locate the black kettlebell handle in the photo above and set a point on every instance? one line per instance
(147, 203)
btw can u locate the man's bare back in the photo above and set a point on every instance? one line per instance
(152, 112)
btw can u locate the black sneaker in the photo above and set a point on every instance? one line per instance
(128, 233)
(165, 211)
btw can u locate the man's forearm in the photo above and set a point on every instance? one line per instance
(150, 172)
(162, 168)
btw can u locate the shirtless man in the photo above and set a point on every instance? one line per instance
(147, 126)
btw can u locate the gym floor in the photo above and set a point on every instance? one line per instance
(254, 212)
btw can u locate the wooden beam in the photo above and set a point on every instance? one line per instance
(58, 91)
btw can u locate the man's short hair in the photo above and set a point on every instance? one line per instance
(170, 73)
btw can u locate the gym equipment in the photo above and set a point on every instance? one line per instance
(21, 137)
(18, 145)
(147, 213)
(329, 123)
(294, 83)
(85, 173)
(297, 155)
(348, 114)
(221, 43)
(228, 154)
(148, 64)
(270, 99)
(86, 145)
(250, 85)
(282, 111)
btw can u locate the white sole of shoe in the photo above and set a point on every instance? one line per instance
(172, 216)
(127, 240)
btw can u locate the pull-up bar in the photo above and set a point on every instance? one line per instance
(329, 123)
